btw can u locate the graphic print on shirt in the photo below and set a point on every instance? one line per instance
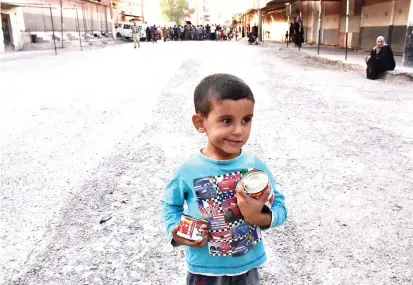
(228, 233)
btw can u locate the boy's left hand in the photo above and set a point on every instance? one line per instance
(251, 208)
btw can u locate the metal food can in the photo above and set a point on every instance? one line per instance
(256, 182)
(189, 228)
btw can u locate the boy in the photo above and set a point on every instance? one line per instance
(231, 249)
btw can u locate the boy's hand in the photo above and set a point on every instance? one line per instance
(251, 208)
(183, 241)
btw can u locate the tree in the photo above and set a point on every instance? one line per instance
(175, 10)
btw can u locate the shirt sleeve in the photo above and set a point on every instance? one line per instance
(172, 204)
(278, 208)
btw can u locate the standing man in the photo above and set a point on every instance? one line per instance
(182, 32)
(176, 33)
(155, 35)
(148, 34)
(208, 32)
(213, 29)
(153, 28)
(136, 34)
(299, 30)
(165, 33)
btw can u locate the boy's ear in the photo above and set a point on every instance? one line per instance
(198, 122)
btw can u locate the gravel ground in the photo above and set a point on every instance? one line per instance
(93, 136)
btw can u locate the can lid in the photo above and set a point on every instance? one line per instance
(195, 219)
(255, 181)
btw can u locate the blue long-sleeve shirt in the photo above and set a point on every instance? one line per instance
(207, 186)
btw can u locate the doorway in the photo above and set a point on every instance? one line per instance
(7, 35)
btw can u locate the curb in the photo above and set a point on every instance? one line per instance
(388, 75)
(70, 47)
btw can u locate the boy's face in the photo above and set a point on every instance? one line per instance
(228, 127)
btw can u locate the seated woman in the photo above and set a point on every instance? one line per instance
(380, 59)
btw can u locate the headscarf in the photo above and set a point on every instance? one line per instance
(380, 38)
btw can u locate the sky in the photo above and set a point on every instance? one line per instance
(153, 14)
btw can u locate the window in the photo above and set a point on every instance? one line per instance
(126, 26)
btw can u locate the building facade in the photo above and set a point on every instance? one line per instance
(199, 17)
(128, 10)
(367, 20)
(30, 24)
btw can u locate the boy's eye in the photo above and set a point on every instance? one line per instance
(247, 119)
(226, 121)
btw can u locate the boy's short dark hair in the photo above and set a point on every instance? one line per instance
(219, 86)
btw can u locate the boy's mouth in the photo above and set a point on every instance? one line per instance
(234, 142)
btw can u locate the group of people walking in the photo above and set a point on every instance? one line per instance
(189, 32)
(296, 32)
(380, 59)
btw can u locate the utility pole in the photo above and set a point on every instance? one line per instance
(197, 12)
(260, 25)
(61, 20)
(143, 12)
(408, 48)
(347, 11)
(319, 27)
(112, 22)
(54, 37)
(259, 21)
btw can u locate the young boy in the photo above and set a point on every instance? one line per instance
(231, 249)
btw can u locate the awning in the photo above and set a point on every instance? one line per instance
(272, 2)
(136, 19)
(251, 11)
(275, 5)
(130, 15)
(7, 5)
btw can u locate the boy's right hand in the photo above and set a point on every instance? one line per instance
(183, 241)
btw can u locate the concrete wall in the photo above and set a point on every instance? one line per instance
(385, 18)
(399, 25)
(18, 39)
(309, 14)
(408, 50)
(368, 19)
(92, 18)
(354, 21)
(1, 38)
(331, 23)
(376, 19)
(27, 21)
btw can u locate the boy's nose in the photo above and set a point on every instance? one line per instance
(237, 130)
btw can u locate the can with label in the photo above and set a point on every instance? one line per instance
(189, 228)
(256, 182)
